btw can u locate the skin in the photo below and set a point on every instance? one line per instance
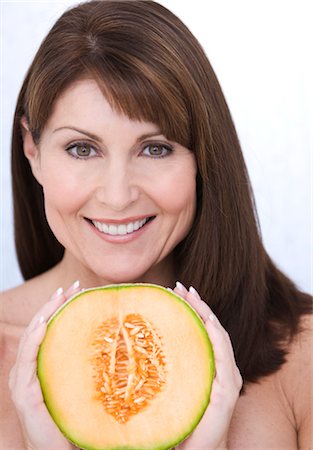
(272, 414)
(121, 178)
(39, 430)
(118, 180)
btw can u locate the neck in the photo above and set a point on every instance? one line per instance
(70, 269)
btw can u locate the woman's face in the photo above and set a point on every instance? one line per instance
(118, 194)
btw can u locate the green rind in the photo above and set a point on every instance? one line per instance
(195, 317)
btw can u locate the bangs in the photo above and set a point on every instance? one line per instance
(140, 93)
(134, 59)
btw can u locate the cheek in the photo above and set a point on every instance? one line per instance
(63, 190)
(176, 191)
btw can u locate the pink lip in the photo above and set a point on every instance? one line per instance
(122, 221)
(119, 239)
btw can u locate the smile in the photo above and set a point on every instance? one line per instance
(120, 229)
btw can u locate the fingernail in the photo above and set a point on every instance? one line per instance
(169, 289)
(57, 293)
(214, 320)
(41, 320)
(193, 291)
(180, 286)
(75, 285)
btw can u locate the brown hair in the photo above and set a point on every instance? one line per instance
(151, 67)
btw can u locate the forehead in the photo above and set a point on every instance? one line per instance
(84, 104)
(80, 99)
(126, 98)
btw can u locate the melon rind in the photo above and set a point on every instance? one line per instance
(163, 442)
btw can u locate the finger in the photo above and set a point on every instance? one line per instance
(30, 345)
(180, 289)
(202, 308)
(193, 298)
(219, 337)
(50, 307)
(44, 314)
(11, 380)
(227, 375)
(65, 296)
(58, 298)
(24, 371)
(221, 341)
(46, 310)
(72, 290)
(23, 379)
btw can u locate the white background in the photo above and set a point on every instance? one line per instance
(261, 51)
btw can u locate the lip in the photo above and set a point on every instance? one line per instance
(121, 221)
(121, 239)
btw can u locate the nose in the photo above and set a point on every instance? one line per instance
(118, 188)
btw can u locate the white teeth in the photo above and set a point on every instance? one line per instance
(113, 230)
(136, 225)
(130, 228)
(120, 230)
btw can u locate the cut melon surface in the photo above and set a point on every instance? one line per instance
(126, 367)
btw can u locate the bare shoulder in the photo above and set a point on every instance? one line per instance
(296, 374)
(302, 342)
(276, 412)
(299, 358)
(19, 304)
(295, 378)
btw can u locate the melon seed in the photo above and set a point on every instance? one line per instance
(130, 373)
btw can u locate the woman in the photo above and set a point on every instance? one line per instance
(127, 167)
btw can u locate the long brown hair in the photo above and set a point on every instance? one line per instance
(151, 67)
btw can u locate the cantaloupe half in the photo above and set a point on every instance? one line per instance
(126, 367)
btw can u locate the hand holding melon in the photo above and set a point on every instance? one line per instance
(40, 431)
(211, 432)
(129, 367)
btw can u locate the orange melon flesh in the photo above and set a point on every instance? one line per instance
(141, 339)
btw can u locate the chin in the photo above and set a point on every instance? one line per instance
(120, 277)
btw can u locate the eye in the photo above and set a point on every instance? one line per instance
(157, 150)
(81, 150)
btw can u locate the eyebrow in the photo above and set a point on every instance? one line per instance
(97, 138)
(78, 130)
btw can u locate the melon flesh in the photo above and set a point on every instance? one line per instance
(126, 367)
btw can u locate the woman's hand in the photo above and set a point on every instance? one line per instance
(211, 432)
(39, 430)
(41, 433)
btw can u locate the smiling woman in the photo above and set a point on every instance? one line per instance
(124, 199)
(127, 168)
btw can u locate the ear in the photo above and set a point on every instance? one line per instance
(31, 150)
